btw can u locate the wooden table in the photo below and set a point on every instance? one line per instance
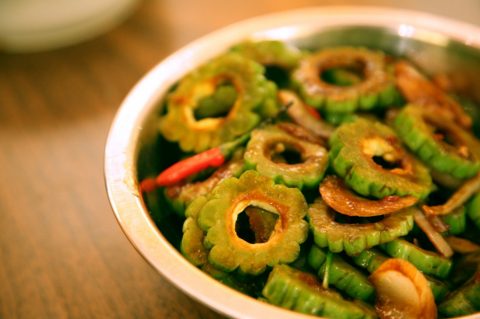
(62, 254)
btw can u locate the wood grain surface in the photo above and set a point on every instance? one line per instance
(62, 254)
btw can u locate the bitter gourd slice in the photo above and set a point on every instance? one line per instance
(371, 259)
(473, 209)
(354, 238)
(270, 52)
(463, 301)
(342, 275)
(191, 245)
(370, 158)
(300, 291)
(456, 221)
(376, 89)
(256, 99)
(218, 218)
(426, 261)
(439, 143)
(268, 151)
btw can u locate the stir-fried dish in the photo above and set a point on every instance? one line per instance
(341, 182)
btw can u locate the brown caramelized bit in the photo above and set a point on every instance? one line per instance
(457, 199)
(419, 90)
(337, 196)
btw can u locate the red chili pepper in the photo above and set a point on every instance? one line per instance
(189, 166)
(181, 170)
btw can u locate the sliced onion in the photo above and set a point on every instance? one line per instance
(418, 89)
(299, 114)
(340, 198)
(457, 199)
(461, 245)
(437, 223)
(402, 291)
(435, 237)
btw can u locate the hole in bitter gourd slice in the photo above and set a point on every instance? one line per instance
(344, 76)
(279, 152)
(218, 104)
(277, 74)
(255, 225)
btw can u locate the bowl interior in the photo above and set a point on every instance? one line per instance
(135, 150)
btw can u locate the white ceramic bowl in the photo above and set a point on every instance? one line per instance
(436, 44)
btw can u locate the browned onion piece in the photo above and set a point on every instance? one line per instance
(341, 199)
(299, 114)
(402, 291)
(435, 237)
(461, 245)
(437, 223)
(419, 90)
(457, 199)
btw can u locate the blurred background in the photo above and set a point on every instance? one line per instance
(65, 67)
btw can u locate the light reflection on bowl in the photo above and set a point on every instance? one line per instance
(436, 44)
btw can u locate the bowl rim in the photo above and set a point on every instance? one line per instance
(121, 148)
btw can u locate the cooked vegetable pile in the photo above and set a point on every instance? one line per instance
(343, 182)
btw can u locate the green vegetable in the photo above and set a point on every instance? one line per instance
(463, 301)
(255, 99)
(370, 158)
(270, 149)
(299, 291)
(228, 200)
(355, 238)
(426, 261)
(341, 275)
(375, 90)
(456, 221)
(440, 143)
(270, 52)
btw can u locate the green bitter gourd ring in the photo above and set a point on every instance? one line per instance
(300, 291)
(376, 89)
(440, 143)
(256, 98)
(264, 153)
(371, 160)
(355, 238)
(270, 52)
(218, 218)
